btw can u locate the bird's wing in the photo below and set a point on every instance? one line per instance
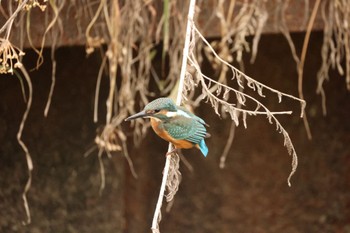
(192, 115)
(186, 128)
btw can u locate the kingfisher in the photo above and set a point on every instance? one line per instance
(175, 124)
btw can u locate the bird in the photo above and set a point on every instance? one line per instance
(175, 124)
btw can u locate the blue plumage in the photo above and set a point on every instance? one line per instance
(203, 147)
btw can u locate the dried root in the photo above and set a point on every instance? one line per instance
(335, 50)
(218, 96)
(10, 57)
(111, 139)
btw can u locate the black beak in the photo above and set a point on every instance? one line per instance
(137, 115)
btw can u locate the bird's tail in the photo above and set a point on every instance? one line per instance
(203, 147)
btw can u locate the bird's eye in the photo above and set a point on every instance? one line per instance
(156, 110)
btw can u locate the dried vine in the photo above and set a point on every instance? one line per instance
(335, 50)
(219, 96)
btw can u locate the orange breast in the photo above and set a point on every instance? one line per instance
(163, 134)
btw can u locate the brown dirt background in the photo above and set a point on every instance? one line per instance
(249, 196)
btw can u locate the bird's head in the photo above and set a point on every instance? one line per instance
(161, 108)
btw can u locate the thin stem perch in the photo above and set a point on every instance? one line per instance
(157, 212)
